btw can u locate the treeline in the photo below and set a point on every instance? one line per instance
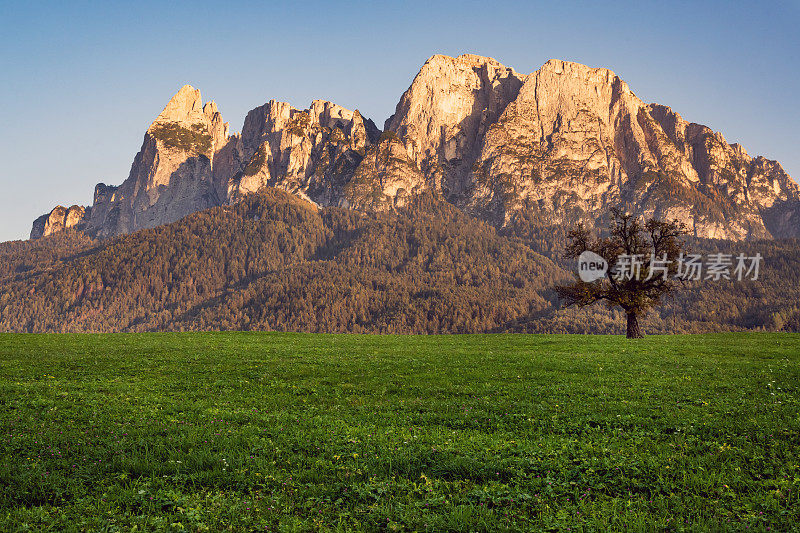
(770, 303)
(275, 262)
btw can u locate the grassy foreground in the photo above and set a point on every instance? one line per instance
(259, 431)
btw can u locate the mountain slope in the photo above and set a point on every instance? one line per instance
(273, 261)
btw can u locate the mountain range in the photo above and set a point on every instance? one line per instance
(547, 149)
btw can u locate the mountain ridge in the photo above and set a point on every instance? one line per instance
(556, 146)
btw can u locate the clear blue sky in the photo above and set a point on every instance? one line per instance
(82, 81)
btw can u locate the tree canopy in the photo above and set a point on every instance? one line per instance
(642, 259)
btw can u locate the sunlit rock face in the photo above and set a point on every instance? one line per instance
(60, 218)
(562, 144)
(172, 175)
(311, 152)
(189, 162)
(443, 118)
(568, 142)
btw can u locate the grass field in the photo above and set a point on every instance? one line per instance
(259, 431)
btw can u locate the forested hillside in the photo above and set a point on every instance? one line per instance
(276, 262)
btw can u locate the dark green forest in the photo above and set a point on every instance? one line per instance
(275, 262)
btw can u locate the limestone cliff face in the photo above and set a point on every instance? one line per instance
(311, 152)
(754, 193)
(189, 162)
(60, 218)
(445, 114)
(385, 179)
(562, 144)
(172, 175)
(568, 142)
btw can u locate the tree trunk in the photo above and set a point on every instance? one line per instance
(634, 331)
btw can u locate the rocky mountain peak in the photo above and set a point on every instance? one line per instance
(443, 116)
(562, 144)
(578, 70)
(472, 61)
(210, 109)
(309, 152)
(183, 107)
(172, 175)
(329, 114)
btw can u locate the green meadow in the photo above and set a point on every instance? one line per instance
(307, 432)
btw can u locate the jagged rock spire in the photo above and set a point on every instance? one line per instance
(562, 144)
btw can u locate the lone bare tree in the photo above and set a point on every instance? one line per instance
(642, 261)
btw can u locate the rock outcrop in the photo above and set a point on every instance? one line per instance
(189, 162)
(385, 179)
(172, 175)
(60, 218)
(311, 152)
(562, 144)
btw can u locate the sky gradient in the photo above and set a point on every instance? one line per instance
(82, 82)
